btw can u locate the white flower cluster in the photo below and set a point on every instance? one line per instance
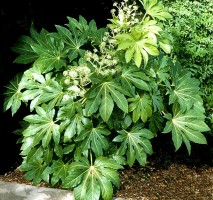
(104, 63)
(76, 78)
(125, 15)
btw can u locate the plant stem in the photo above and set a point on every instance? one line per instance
(91, 161)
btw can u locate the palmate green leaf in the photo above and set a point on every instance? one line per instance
(48, 154)
(186, 126)
(87, 31)
(92, 181)
(75, 23)
(73, 40)
(94, 138)
(186, 91)
(26, 58)
(51, 51)
(23, 47)
(73, 119)
(76, 171)
(59, 171)
(135, 144)
(141, 108)
(43, 38)
(79, 34)
(157, 99)
(155, 9)
(103, 96)
(34, 154)
(137, 45)
(149, 45)
(160, 69)
(43, 127)
(13, 95)
(133, 77)
(97, 36)
(47, 52)
(58, 150)
(52, 93)
(40, 89)
(47, 64)
(34, 170)
(150, 26)
(68, 110)
(74, 127)
(156, 123)
(81, 25)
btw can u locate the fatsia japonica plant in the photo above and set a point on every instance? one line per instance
(97, 97)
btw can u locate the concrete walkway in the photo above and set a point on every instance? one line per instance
(16, 191)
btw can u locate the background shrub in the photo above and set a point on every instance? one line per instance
(192, 28)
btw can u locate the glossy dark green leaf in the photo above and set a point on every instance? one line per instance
(13, 95)
(43, 127)
(93, 181)
(94, 138)
(135, 144)
(189, 124)
(48, 155)
(103, 96)
(35, 154)
(59, 171)
(186, 91)
(34, 170)
(140, 107)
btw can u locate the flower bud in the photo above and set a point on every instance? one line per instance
(65, 73)
(67, 81)
(74, 88)
(73, 74)
(75, 82)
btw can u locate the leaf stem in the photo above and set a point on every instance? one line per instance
(91, 160)
(144, 16)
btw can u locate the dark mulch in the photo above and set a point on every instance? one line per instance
(171, 175)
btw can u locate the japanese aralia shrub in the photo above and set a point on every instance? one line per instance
(97, 97)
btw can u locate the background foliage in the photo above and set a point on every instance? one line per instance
(192, 31)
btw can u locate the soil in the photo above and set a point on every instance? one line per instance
(169, 175)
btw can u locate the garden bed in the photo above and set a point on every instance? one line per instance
(168, 176)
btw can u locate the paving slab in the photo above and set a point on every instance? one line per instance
(17, 191)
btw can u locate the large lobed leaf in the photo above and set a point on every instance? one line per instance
(137, 45)
(186, 126)
(141, 107)
(42, 127)
(34, 170)
(94, 138)
(103, 96)
(13, 95)
(135, 144)
(186, 91)
(40, 89)
(93, 180)
(155, 9)
(132, 78)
